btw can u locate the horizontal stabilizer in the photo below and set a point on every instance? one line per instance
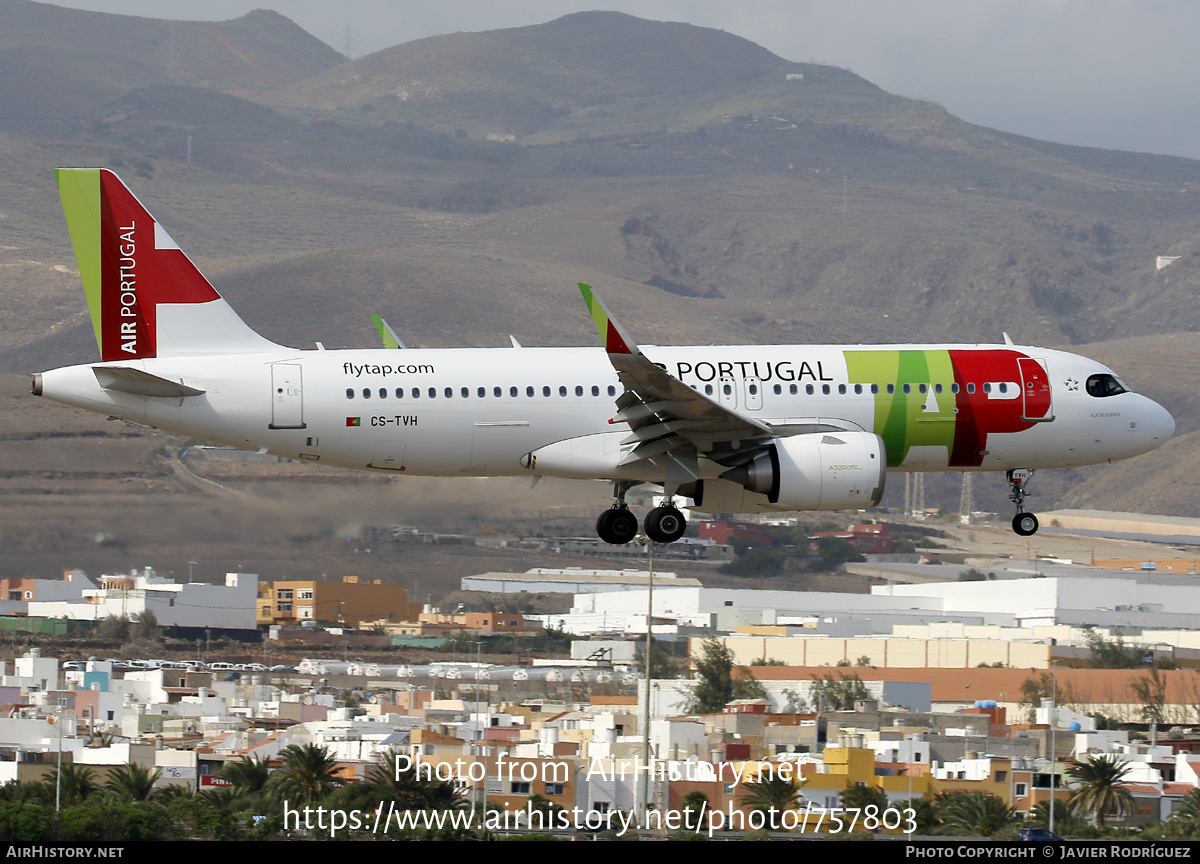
(139, 383)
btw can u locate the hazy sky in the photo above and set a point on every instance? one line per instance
(1120, 74)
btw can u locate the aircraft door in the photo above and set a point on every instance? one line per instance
(1035, 390)
(753, 395)
(727, 390)
(287, 396)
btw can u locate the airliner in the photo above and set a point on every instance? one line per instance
(732, 429)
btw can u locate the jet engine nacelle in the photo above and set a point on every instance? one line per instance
(818, 471)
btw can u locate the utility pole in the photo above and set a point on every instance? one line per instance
(645, 780)
(966, 502)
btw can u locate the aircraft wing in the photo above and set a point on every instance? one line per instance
(666, 417)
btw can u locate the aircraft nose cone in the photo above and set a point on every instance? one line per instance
(1162, 422)
(1157, 424)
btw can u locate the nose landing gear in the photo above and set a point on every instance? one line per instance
(1024, 524)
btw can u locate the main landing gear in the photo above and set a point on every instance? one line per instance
(617, 525)
(1024, 524)
(665, 524)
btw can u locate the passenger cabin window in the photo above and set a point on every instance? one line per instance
(432, 392)
(825, 389)
(366, 393)
(529, 392)
(595, 390)
(416, 392)
(545, 391)
(793, 389)
(1105, 385)
(382, 393)
(708, 390)
(808, 388)
(496, 391)
(578, 390)
(778, 389)
(349, 393)
(612, 391)
(562, 391)
(512, 391)
(971, 388)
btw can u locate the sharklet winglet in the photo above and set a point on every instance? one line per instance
(386, 334)
(616, 340)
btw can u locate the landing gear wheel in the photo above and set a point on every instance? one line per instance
(665, 524)
(1025, 524)
(616, 526)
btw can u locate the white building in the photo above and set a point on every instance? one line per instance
(193, 604)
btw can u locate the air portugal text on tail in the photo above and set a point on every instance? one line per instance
(726, 429)
(145, 297)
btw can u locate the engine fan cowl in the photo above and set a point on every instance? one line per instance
(823, 471)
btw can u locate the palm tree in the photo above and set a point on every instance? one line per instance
(861, 797)
(772, 792)
(1066, 820)
(412, 789)
(977, 813)
(246, 774)
(693, 805)
(923, 818)
(307, 775)
(1100, 792)
(174, 792)
(1188, 807)
(132, 782)
(78, 782)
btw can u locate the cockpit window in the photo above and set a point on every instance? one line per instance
(1105, 385)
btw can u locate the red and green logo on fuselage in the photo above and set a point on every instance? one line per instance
(951, 398)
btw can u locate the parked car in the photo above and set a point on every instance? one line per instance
(1037, 835)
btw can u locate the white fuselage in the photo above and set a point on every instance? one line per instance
(479, 412)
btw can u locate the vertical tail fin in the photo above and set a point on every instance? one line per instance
(145, 297)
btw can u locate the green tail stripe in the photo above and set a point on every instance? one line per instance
(385, 334)
(599, 318)
(79, 189)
